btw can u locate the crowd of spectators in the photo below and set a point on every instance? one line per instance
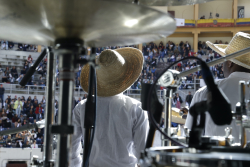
(8, 45)
(17, 112)
(12, 76)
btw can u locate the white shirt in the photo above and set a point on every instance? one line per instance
(34, 146)
(230, 87)
(120, 134)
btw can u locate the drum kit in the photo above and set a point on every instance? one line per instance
(69, 26)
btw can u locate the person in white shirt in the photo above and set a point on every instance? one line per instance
(211, 55)
(235, 70)
(34, 145)
(121, 124)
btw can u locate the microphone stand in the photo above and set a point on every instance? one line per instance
(90, 112)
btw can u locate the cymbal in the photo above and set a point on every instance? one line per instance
(98, 23)
(167, 2)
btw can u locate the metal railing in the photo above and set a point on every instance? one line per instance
(79, 92)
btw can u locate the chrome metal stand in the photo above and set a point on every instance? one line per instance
(66, 49)
(168, 95)
(50, 105)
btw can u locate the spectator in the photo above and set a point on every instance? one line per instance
(33, 101)
(19, 79)
(31, 116)
(34, 145)
(189, 98)
(35, 104)
(207, 59)
(78, 82)
(153, 62)
(4, 45)
(13, 72)
(29, 98)
(21, 117)
(41, 82)
(39, 133)
(15, 118)
(19, 140)
(57, 81)
(20, 46)
(85, 96)
(150, 54)
(18, 106)
(26, 66)
(177, 101)
(26, 145)
(43, 100)
(153, 70)
(23, 71)
(221, 75)
(161, 55)
(8, 142)
(9, 99)
(30, 60)
(2, 94)
(11, 45)
(38, 111)
(145, 80)
(2, 142)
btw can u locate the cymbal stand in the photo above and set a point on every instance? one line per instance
(168, 96)
(241, 114)
(49, 114)
(66, 50)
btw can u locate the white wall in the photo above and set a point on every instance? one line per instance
(161, 8)
(224, 8)
(185, 12)
(246, 4)
(213, 39)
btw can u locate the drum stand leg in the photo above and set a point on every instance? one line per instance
(49, 114)
(168, 93)
(66, 49)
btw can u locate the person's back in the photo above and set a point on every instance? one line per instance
(120, 135)
(234, 70)
(121, 124)
(226, 85)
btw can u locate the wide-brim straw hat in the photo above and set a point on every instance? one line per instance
(240, 41)
(118, 70)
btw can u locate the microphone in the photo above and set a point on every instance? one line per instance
(218, 104)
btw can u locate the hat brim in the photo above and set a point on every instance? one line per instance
(219, 48)
(133, 64)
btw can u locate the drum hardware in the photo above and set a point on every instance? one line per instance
(184, 157)
(171, 82)
(67, 32)
(167, 2)
(229, 137)
(241, 114)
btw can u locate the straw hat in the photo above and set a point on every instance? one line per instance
(118, 70)
(240, 41)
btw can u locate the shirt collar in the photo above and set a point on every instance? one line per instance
(239, 75)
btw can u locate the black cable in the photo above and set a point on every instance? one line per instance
(149, 103)
(94, 124)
